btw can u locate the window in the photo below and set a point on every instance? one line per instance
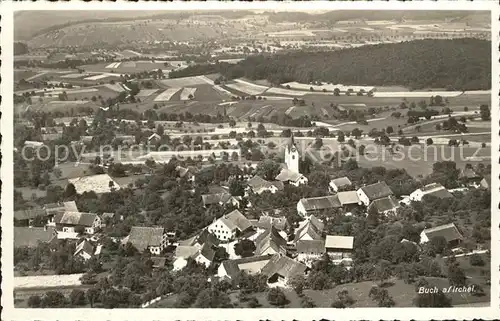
(293, 156)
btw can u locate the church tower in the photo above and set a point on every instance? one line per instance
(292, 156)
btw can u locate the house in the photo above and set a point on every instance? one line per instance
(229, 225)
(85, 250)
(147, 238)
(205, 255)
(310, 248)
(77, 222)
(259, 185)
(52, 209)
(281, 269)
(385, 205)
(310, 229)
(32, 236)
(289, 177)
(485, 182)
(470, 176)
(339, 247)
(336, 184)
(270, 242)
(101, 183)
(449, 231)
(346, 200)
(369, 193)
(26, 217)
(187, 173)
(219, 199)
(230, 269)
(434, 189)
(266, 222)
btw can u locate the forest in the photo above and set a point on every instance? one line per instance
(458, 64)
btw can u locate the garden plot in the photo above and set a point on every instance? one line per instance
(45, 281)
(247, 87)
(222, 90)
(68, 102)
(417, 94)
(71, 92)
(167, 94)
(114, 87)
(327, 87)
(187, 81)
(134, 52)
(114, 65)
(129, 64)
(186, 92)
(75, 76)
(289, 110)
(283, 91)
(146, 92)
(36, 76)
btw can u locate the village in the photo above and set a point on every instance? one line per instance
(145, 184)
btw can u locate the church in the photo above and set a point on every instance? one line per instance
(290, 173)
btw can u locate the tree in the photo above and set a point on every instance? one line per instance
(318, 143)
(484, 110)
(268, 169)
(437, 245)
(77, 297)
(244, 248)
(343, 300)
(53, 299)
(389, 130)
(298, 283)
(92, 296)
(476, 260)
(341, 137)
(277, 297)
(456, 275)
(429, 141)
(34, 301)
(381, 296)
(236, 188)
(70, 191)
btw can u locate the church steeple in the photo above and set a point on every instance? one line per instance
(292, 155)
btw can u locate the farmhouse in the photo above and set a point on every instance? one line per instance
(434, 189)
(311, 229)
(219, 199)
(147, 238)
(270, 242)
(229, 225)
(369, 193)
(347, 200)
(339, 247)
(77, 222)
(266, 222)
(252, 265)
(338, 183)
(449, 231)
(281, 269)
(385, 205)
(293, 178)
(259, 185)
(99, 184)
(205, 255)
(310, 248)
(85, 250)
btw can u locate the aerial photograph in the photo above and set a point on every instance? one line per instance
(252, 159)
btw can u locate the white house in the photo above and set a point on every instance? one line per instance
(71, 222)
(369, 193)
(85, 250)
(251, 265)
(290, 177)
(385, 205)
(449, 231)
(258, 185)
(227, 226)
(434, 189)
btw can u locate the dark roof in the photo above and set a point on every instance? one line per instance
(75, 218)
(287, 175)
(270, 238)
(313, 227)
(206, 237)
(440, 193)
(209, 199)
(469, 173)
(320, 203)
(384, 204)
(377, 190)
(158, 261)
(208, 252)
(31, 236)
(84, 246)
(265, 222)
(311, 246)
(341, 181)
(232, 266)
(29, 214)
(236, 220)
(142, 237)
(283, 266)
(258, 182)
(448, 231)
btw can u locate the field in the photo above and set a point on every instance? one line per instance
(125, 67)
(187, 81)
(247, 87)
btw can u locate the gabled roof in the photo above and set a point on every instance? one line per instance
(339, 242)
(436, 190)
(349, 197)
(469, 173)
(31, 236)
(185, 251)
(75, 218)
(377, 190)
(287, 175)
(283, 266)
(265, 222)
(448, 231)
(143, 237)
(385, 204)
(341, 181)
(29, 214)
(219, 198)
(320, 203)
(313, 227)
(270, 239)
(257, 182)
(311, 246)
(232, 267)
(236, 220)
(207, 251)
(85, 247)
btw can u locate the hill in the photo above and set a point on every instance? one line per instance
(459, 64)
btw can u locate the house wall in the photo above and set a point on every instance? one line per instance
(300, 209)
(363, 197)
(417, 195)
(155, 250)
(221, 272)
(423, 238)
(253, 267)
(203, 260)
(221, 231)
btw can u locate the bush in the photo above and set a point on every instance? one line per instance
(476, 260)
(277, 297)
(53, 299)
(306, 302)
(34, 301)
(77, 297)
(253, 302)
